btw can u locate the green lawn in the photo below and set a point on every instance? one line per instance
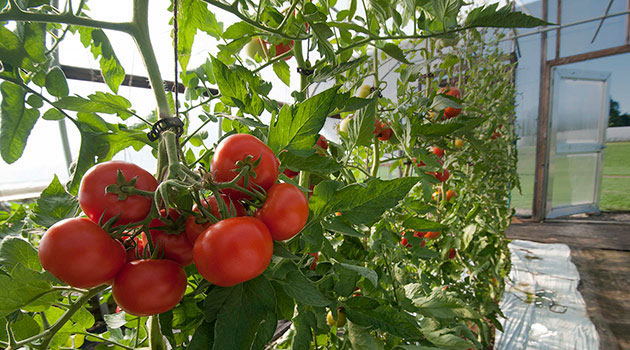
(615, 193)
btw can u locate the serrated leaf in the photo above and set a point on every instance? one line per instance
(25, 288)
(361, 124)
(362, 339)
(192, 16)
(15, 250)
(281, 68)
(386, 319)
(468, 234)
(99, 102)
(304, 321)
(442, 305)
(13, 224)
(302, 289)
(393, 51)
(35, 41)
(11, 48)
(101, 48)
(115, 320)
(54, 204)
(336, 224)
(238, 30)
(297, 127)
(489, 16)
(203, 338)
(244, 310)
(369, 274)
(322, 32)
(314, 163)
(17, 122)
(359, 203)
(420, 224)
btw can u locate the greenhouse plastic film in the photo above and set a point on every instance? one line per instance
(541, 303)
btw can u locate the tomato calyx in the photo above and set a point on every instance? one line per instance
(246, 170)
(125, 188)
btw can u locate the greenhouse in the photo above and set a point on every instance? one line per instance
(330, 174)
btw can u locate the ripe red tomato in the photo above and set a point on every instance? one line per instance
(450, 194)
(175, 246)
(322, 142)
(419, 234)
(81, 253)
(432, 235)
(237, 147)
(441, 176)
(423, 244)
(451, 112)
(290, 173)
(285, 211)
(452, 253)
(437, 151)
(386, 134)
(94, 201)
(233, 251)
(149, 287)
(404, 242)
(282, 48)
(195, 226)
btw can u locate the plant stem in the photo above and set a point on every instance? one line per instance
(49, 333)
(376, 156)
(156, 341)
(15, 13)
(90, 335)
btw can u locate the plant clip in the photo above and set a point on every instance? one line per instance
(165, 124)
(305, 71)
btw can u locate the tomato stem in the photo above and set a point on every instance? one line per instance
(156, 341)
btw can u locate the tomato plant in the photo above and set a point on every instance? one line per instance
(365, 185)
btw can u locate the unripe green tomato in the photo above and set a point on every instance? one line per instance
(341, 319)
(343, 126)
(256, 47)
(444, 43)
(364, 91)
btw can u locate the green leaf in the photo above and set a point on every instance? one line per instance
(35, 41)
(25, 289)
(297, 127)
(17, 122)
(56, 83)
(99, 102)
(393, 51)
(303, 322)
(302, 289)
(489, 16)
(244, 310)
(314, 163)
(25, 327)
(442, 305)
(54, 204)
(11, 48)
(239, 87)
(337, 224)
(100, 46)
(359, 203)
(330, 71)
(15, 250)
(361, 126)
(322, 32)
(386, 319)
(281, 251)
(369, 274)
(203, 338)
(13, 224)
(193, 15)
(420, 224)
(214, 301)
(239, 30)
(362, 339)
(469, 233)
(281, 68)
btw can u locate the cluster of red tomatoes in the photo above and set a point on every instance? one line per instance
(441, 176)
(426, 235)
(451, 112)
(226, 250)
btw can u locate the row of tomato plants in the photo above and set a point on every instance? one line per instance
(397, 226)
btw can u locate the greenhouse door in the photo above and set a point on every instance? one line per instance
(577, 138)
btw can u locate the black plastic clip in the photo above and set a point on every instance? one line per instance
(165, 124)
(305, 71)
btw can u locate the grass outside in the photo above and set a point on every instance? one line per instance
(615, 192)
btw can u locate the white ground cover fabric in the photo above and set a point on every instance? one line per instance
(541, 303)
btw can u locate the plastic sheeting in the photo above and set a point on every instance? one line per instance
(541, 303)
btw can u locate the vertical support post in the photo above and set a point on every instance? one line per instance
(559, 20)
(542, 134)
(628, 23)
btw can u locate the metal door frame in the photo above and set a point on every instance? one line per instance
(573, 74)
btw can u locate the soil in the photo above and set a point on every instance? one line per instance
(600, 249)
